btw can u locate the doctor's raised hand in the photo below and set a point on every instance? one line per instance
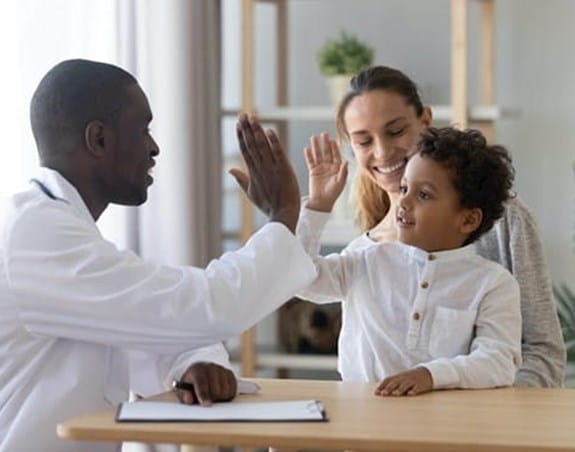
(327, 172)
(271, 183)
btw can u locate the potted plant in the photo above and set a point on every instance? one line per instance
(340, 59)
(565, 298)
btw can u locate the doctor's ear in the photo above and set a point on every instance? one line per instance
(95, 137)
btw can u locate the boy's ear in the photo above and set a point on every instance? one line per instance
(472, 219)
(96, 138)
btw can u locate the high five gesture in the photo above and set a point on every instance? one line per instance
(327, 172)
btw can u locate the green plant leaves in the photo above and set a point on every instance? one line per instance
(566, 310)
(346, 55)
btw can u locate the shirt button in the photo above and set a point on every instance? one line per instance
(431, 257)
(424, 285)
(416, 316)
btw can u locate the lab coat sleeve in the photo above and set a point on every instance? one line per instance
(495, 352)
(152, 373)
(68, 282)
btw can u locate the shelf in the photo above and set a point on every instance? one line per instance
(480, 113)
(336, 233)
(268, 359)
(297, 361)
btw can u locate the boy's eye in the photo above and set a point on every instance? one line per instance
(424, 195)
(403, 189)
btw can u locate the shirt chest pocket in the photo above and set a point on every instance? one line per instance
(451, 332)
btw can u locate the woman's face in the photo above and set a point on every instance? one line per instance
(383, 130)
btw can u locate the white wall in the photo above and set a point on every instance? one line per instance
(536, 73)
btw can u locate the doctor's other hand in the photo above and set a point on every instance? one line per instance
(411, 382)
(271, 183)
(327, 172)
(211, 383)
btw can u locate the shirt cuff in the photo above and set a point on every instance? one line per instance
(443, 374)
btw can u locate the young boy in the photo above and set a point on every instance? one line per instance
(426, 312)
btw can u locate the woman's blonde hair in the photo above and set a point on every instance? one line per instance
(371, 201)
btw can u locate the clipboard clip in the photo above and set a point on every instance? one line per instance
(315, 406)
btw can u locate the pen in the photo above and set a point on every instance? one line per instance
(177, 384)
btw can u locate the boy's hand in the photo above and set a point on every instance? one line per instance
(412, 382)
(327, 172)
(271, 183)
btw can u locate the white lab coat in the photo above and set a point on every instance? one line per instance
(79, 318)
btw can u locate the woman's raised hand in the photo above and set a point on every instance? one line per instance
(327, 172)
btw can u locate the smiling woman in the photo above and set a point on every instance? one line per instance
(383, 118)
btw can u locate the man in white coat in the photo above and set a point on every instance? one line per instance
(81, 321)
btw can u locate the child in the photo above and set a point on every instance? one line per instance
(426, 312)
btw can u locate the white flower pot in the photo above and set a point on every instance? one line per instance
(338, 86)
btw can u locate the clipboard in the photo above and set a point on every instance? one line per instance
(280, 411)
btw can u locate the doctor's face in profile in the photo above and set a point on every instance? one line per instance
(132, 151)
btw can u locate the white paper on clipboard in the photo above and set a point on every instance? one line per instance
(278, 411)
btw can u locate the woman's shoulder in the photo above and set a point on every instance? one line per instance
(514, 234)
(517, 218)
(517, 210)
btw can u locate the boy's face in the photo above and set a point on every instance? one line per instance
(429, 215)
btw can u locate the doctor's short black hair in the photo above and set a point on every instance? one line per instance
(482, 174)
(69, 96)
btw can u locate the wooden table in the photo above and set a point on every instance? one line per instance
(508, 419)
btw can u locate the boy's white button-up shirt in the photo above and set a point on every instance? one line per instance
(453, 312)
(81, 321)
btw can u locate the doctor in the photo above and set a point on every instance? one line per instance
(80, 320)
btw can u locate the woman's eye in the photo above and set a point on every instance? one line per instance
(397, 132)
(364, 143)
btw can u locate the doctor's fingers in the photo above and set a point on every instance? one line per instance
(227, 385)
(256, 144)
(202, 385)
(241, 125)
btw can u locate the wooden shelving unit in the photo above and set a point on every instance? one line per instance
(458, 113)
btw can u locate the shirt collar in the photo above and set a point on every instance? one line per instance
(421, 255)
(63, 190)
(444, 256)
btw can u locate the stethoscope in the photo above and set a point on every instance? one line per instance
(46, 190)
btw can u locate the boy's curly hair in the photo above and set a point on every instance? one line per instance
(482, 174)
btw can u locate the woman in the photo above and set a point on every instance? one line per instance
(382, 116)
